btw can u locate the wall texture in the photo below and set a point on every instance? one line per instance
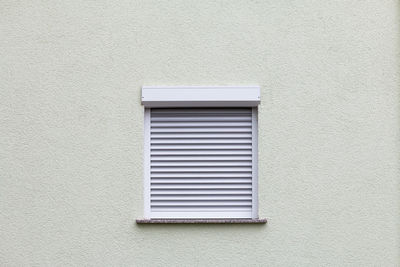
(71, 129)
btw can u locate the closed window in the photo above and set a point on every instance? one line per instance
(200, 162)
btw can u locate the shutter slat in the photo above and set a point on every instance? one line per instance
(199, 124)
(201, 152)
(202, 130)
(201, 175)
(212, 111)
(199, 141)
(200, 202)
(200, 147)
(202, 206)
(201, 163)
(206, 212)
(210, 118)
(201, 186)
(199, 169)
(178, 141)
(200, 180)
(201, 160)
(231, 158)
(201, 191)
(204, 135)
(201, 197)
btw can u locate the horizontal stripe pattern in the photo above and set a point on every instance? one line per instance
(201, 159)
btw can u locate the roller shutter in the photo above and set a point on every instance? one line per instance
(201, 162)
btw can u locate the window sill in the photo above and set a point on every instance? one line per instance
(201, 221)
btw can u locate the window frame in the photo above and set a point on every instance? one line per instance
(198, 215)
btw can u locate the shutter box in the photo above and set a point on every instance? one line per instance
(201, 96)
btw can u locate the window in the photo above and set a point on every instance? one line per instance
(200, 162)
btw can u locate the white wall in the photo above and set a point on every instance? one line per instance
(71, 129)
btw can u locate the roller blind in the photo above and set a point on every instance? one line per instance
(201, 162)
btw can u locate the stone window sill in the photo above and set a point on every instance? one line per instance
(201, 221)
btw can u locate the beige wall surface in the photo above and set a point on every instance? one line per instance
(71, 129)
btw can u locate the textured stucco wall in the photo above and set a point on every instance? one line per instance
(71, 129)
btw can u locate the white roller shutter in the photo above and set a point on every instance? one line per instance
(201, 162)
